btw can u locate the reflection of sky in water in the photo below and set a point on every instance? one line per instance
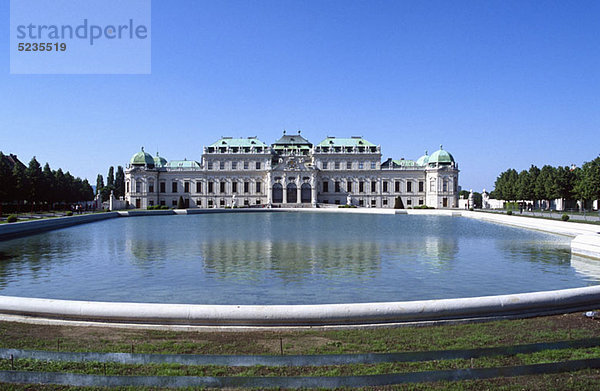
(285, 258)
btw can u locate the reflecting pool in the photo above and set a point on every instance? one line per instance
(288, 258)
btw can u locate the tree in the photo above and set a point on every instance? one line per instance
(588, 181)
(47, 187)
(20, 185)
(6, 181)
(110, 178)
(180, 204)
(565, 183)
(505, 186)
(99, 183)
(34, 176)
(120, 183)
(398, 204)
(545, 184)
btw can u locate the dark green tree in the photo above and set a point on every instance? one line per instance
(120, 183)
(6, 181)
(60, 186)
(35, 185)
(565, 183)
(180, 203)
(99, 183)
(48, 193)
(20, 185)
(110, 178)
(587, 187)
(545, 188)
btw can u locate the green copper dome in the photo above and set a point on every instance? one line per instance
(159, 161)
(440, 156)
(142, 159)
(423, 160)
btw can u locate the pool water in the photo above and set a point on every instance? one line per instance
(286, 258)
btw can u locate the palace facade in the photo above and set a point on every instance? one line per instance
(292, 172)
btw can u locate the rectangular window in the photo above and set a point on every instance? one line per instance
(385, 186)
(162, 187)
(373, 187)
(373, 203)
(361, 187)
(127, 187)
(163, 203)
(397, 186)
(445, 185)
(325, 201)
(337, 202)
(325, 187)
(138, 187)
(258, 165)
(373, 165)
(385, 202)
(221, 165)
(209, 165)
(234, 165)
(336, 165)
(174, 203)
(409, 202)
(234, 187)
(198, 187)
(222, 203)
(360, 165)
(210, 202)
(258, 201)
(246, 187)
(324, 164)
(151, 188)
(246, 165)
(258, 189)
(432, 185)
(349, 186)
(222, 187)
(186, 187)
(421, 202)
(337, 186)
(174, 187)
(361, 202)
(348, 165)
(199, 202)
(246, 203)
(421, 185)
(210, 187)
(409, 187)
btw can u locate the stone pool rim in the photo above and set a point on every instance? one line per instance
(586, 242)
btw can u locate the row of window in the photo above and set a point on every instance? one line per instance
(373, 184)
(209, 203)
(233, 165)
(212, 186)
(347, 165)
(361, 202)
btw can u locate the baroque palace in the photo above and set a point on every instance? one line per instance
(292, 172)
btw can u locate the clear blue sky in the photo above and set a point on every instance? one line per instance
(499, 83)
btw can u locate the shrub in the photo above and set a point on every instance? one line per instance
(346, 206)
(180, 204)
(509, 212)
(565, 217)
(471, 209)
(69, 213)
(11, 219)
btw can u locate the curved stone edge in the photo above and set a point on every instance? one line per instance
(586, 245)
(9, 231)
(269, 316)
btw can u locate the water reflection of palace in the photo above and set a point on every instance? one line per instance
(290, 260)
(587, 267)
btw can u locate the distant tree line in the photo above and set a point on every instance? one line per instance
(39, 188)
(116, 184)
(550, 183)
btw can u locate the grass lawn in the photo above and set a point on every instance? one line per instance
(405, 339)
